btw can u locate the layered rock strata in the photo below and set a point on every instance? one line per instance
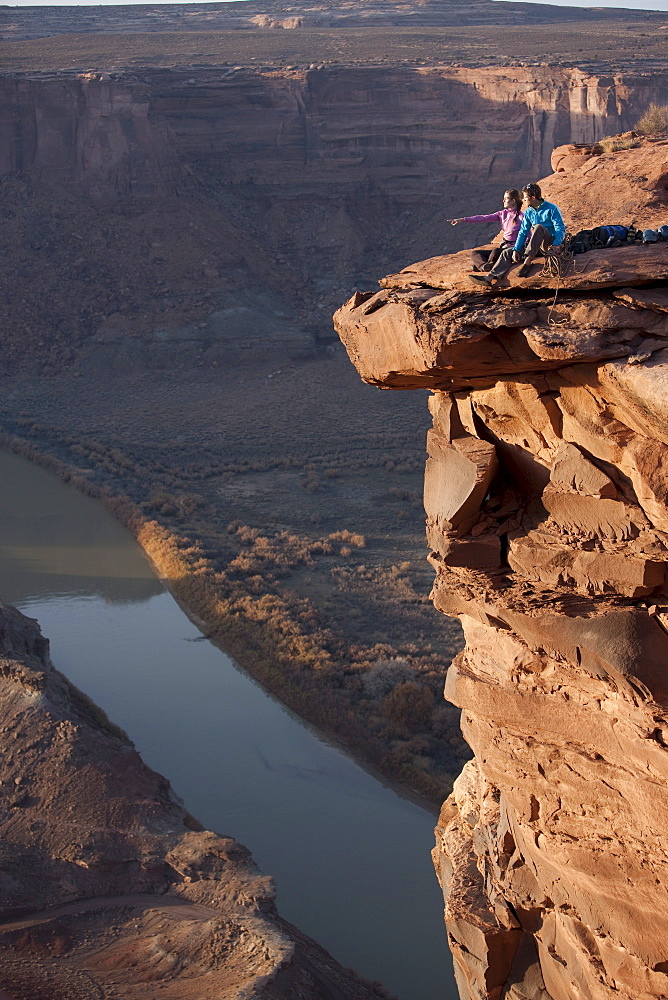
(178, 217)
(146, 131)
(546, 492)
(107, 887)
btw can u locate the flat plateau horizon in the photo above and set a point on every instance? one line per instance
(630, 5)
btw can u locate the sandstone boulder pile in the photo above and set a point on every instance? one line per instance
(546, 494)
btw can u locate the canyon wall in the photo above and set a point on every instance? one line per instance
(176, 217)
(140, 133)
(546, 496)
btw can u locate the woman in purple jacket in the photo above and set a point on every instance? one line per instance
(510, 219)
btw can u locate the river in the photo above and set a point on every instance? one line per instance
(350, 856)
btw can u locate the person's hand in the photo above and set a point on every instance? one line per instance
(517, 256)
(453, 222)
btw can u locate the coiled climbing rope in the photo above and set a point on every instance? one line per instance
(558, 265)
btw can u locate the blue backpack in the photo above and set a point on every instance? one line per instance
(604, 233)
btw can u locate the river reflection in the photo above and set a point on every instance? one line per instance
(57, 545)
(349, 855)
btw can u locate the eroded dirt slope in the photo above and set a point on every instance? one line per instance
(109, 889)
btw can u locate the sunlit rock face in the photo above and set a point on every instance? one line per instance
(546, 494)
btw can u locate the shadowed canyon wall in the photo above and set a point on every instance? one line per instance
(547, 518)
(205, 214)
(258, 127)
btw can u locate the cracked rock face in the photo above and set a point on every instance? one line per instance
(546, 494)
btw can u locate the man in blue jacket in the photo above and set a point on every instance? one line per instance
(542, 230)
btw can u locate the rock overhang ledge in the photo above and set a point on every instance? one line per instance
(428, 327)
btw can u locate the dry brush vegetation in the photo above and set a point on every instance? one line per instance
(321, 619)
(633, 41)
(654, 120)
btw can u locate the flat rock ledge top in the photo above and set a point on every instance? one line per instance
(635, 264)
(430, 326)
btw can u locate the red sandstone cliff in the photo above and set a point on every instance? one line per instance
(547, 515)
(107, 887)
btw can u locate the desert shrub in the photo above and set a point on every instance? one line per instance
(312, 482)
(356, 540)
(187, 504)
(385, 675)
(409, 704)
(60, 944)
(410, 495)
(162, 502)
(320, 547)
(655, 119)
(242, 565)
(247, 534)
(613, 144)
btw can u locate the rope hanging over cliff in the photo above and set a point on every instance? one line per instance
(557, 266)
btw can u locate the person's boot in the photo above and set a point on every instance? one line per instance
(525, 269)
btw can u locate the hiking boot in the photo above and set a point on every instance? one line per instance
(484, 279)
(525, 270)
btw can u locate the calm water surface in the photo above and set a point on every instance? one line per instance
(350, 856)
